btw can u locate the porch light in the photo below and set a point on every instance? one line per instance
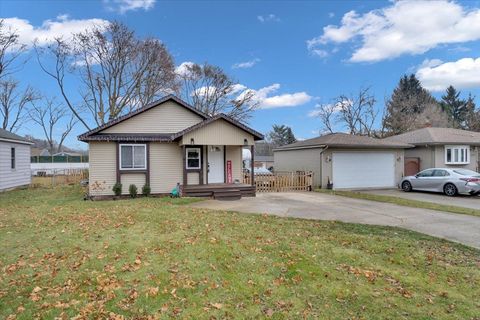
(245, 142)
(192, 142)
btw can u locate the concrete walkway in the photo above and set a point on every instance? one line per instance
(455, 227)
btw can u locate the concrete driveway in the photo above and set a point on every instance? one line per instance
(311, 205)
(467, 201)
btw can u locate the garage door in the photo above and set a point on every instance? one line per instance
(363, 169)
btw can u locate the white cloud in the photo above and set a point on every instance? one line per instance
(319, 108)
(246, 64)
(319, 53)
(122, 6)
(267, 101)
(463, 73)
(404, 27)
(268, 18)
(45, 34)
(182, 69)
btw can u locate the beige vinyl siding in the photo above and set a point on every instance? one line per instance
(102, 168)
(20, 176)
(165, 167)
(138, 179)
(234, 153)
(193, 177)
(169, 117)
(301, 160)
(218, 132)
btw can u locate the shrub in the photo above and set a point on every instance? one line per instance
(132, 189)
(117, 189)
(146, 190)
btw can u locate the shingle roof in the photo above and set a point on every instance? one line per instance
(343, 140)
(113, 122)
(432, 135)
(96, 135)
(256, 134)
(7, 135)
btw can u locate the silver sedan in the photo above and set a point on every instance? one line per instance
(449, 181)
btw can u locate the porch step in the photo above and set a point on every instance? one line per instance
(227, 194)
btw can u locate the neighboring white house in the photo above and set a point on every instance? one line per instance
(14, 161)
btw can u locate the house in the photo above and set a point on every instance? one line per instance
(440, 147)
(39, 152)
(14, 161)
(167, 143)
(347, 161)
(265, 162)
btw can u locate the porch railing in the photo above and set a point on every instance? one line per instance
(282, 181)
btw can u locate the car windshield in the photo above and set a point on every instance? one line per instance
(466, 172)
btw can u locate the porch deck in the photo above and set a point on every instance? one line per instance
(221, 191)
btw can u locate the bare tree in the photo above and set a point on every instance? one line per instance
(13, 104)
(118, 71)
(209, 89)
(10, 51)
(326, 113)
(357, 112)
(50, 115)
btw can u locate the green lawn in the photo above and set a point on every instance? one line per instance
(65, 257)
(402, 201)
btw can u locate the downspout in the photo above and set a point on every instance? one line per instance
(321, 165)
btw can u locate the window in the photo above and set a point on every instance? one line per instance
(12, 157)
(133, 156)
(440, 173)
(425, 173)
(193, 158)
(457, 154)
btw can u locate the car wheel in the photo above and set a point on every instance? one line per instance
(450, 189)
(406, 186)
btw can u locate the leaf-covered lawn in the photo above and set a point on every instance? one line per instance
(157, 258)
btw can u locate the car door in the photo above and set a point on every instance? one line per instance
(423, 180)
(438, 180)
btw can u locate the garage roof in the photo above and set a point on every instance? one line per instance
(343, 140)
(437, 136)
(12, 137)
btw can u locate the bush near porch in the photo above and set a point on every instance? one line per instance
(158, 258)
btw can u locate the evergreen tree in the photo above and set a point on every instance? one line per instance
(281, 135)
(408, 100)
(456, 108)
(472, 119)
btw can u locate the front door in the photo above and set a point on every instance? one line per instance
(216, 164)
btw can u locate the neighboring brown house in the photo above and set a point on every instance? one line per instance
(347, 161)
(170, 142)
(440, 147)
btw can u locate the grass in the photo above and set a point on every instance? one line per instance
(153, 258)
(402, 201)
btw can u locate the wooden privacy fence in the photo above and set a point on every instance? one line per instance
(282, 181)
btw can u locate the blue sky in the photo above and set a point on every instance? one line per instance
(300, 53)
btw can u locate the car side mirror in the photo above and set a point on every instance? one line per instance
(416, 176)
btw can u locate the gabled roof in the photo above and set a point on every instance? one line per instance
(9, 136)
(343, 140)
(257, 135)
(437, 136)
(96, 135)
(127, 116)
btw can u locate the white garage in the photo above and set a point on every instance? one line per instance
(363, 170)
(348, 161)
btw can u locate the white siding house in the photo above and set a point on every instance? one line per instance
(14, 161)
